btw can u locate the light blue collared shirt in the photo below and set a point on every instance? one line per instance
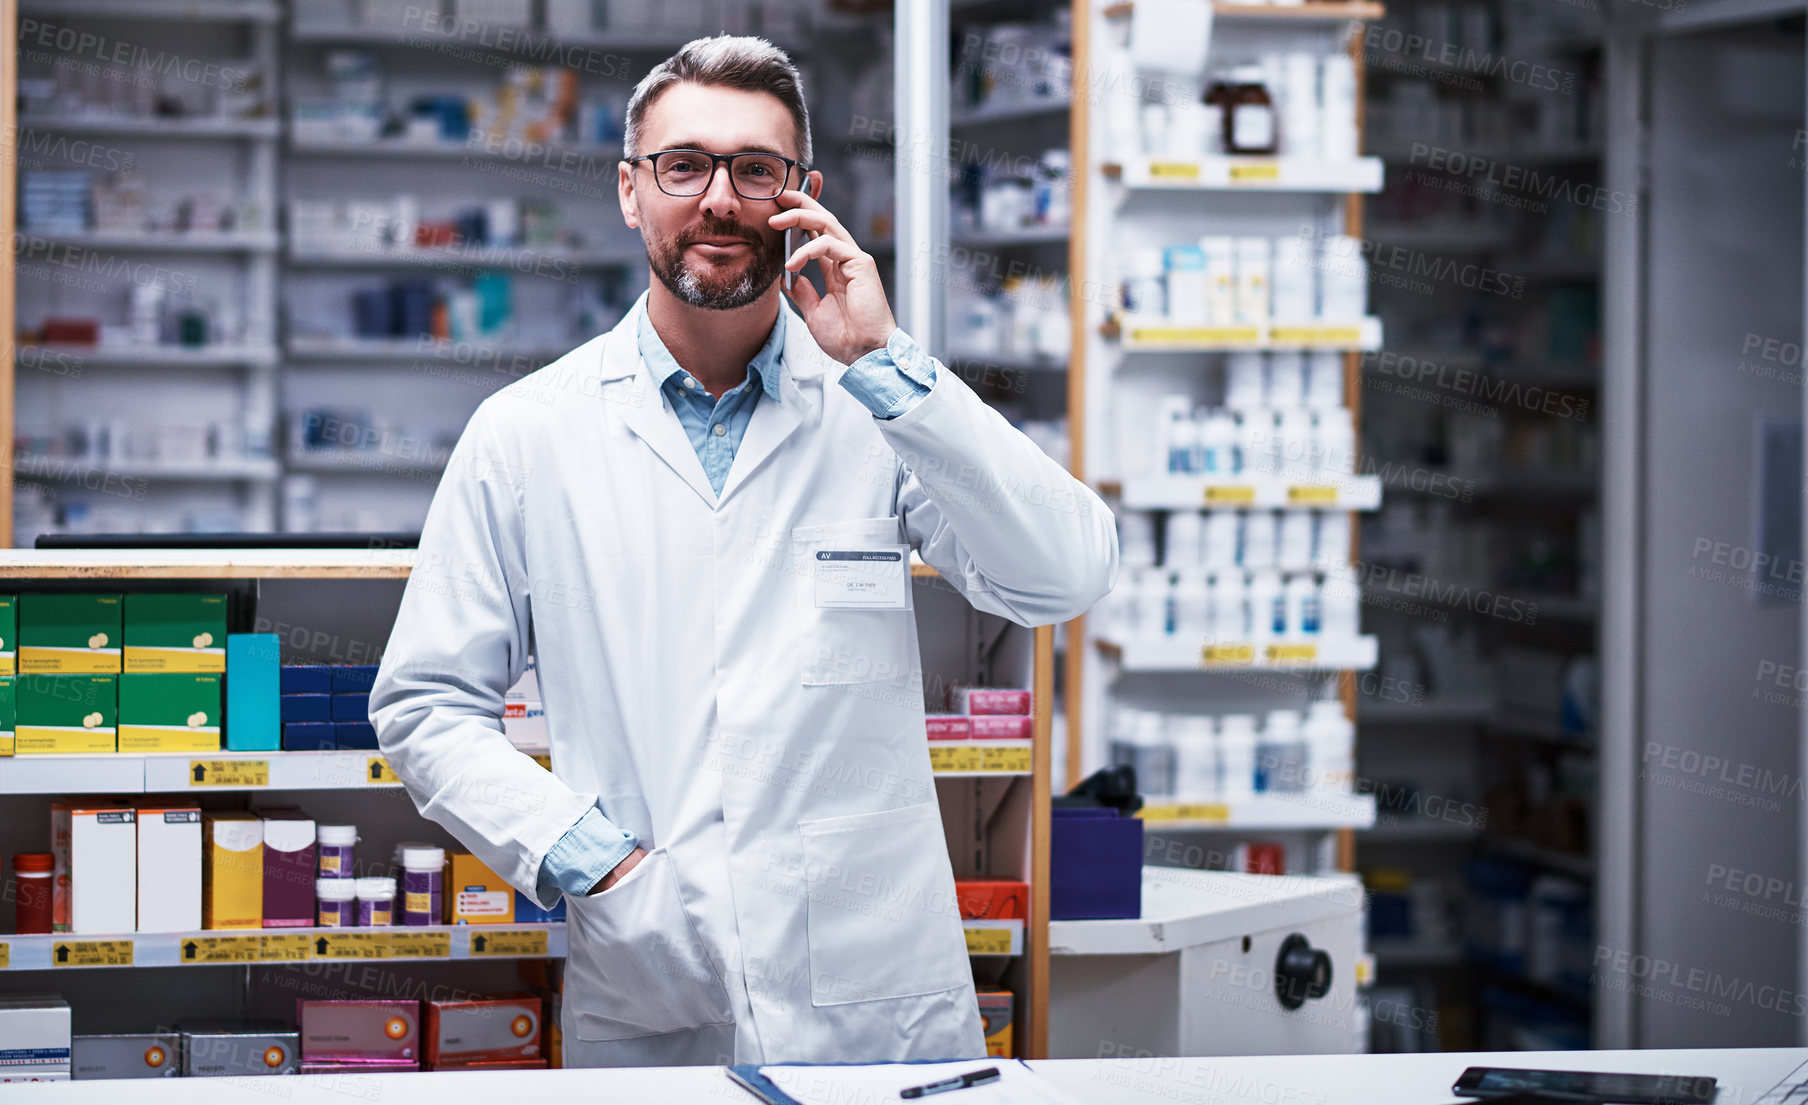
(887, 381)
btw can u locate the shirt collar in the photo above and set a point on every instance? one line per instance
(765, 363)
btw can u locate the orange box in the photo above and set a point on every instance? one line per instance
(476, 895)
(995, 1005)
(485, 1030)
(992, 899)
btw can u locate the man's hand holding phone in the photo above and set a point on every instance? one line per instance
(851, 317)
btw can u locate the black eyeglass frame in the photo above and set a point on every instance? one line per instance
(716, 159)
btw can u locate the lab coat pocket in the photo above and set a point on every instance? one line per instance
(637, 966)
(883, 922)
(838, 645)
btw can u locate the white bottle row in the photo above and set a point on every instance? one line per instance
(1290, 540)
(1224, 281)
(1234, 605)
(1227, 758)
(1293, 443)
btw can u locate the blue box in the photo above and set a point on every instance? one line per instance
(310, 736)
(307, 679)
(528, 912)
(351, 707)
(356, 734)
(354, 678)
(1095, 865)
(307, 707)
(253, 718)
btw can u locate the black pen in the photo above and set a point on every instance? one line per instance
(958, 1082)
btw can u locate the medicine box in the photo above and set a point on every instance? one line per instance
(96, 849)
(306, 707)
(485, 1030)
(169, 712)
(130, 1055)
(995, 1015)
(335, 1066)
(217, 1049)
(476, 895)
(69, 633)
(1002, 727)
(307, 679)
(988, 700)
(34, 1037)
(991, 899)
(351, 707)
(361, 735)
(354, 678)
(385, 1031)
(252, 680)
(169, 867)
(232, 871)
(8, 713)
(9, 634)
(65, 714)
(175, 632)
(289, 863)
(949, 727)
(310, 736)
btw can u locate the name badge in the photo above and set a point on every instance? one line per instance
(876, 578)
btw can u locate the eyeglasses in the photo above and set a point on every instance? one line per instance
(754, 176)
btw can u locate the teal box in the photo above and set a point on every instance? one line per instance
(253, 690)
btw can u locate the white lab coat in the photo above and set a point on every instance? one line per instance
(797, 901)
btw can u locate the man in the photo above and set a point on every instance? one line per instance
(699, 522)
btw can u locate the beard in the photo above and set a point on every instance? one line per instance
(712, 286)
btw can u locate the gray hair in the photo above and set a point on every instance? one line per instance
(743, 62)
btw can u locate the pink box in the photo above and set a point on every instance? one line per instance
(362, 1032)
(989, 700)
(1003, 728)
(949, 727)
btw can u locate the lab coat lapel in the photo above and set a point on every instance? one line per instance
(800, 390)
(649, 417)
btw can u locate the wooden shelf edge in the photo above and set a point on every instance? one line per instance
(1359, 11)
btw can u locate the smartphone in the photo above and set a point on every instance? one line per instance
(791, 277)
(1594, 1086)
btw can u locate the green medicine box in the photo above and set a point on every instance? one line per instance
(169, 712)
(175, 633)
(65, 714)
(6, 714)
(9, 634)
(64, 634)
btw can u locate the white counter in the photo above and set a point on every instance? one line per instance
(1256, 1080)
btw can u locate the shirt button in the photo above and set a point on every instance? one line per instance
(721, 429)
(690, 383)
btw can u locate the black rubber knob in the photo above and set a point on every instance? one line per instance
(1300, 972)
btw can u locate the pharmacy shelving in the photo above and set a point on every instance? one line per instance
(401, 149)
(1009, 362)
(526, 256)
(1287, 13)
(177, 11)
(148, 126)
(1177, 654)
(1161, 335)
(1010, 112)
(480, 356)
(167, 241)
(231, 471)
(1329, 492)
(994, 937)
(374, 461)
(422, 31)
(1251, 173)
(150, 356)
(1302, 810)
(63, 951)
(1027, 236)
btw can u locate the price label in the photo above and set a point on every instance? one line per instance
(334, 944)
(1005, 758)
(6, 956)
(1311, 494)
(1173, 170)
(508, 943)
(229, 773)
(954, 758)
(1216, 812)
(420, 945)
(222, 949)
(1228, 654)
(1316, 335)
(544, 760)
(1192, 336)
(292, 945)
(1292, 654)
(91, 953)
(379, 773)
(989, 941)
(1229, 494)
(1255, 172)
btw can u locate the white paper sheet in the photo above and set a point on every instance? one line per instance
(1017, 1084)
